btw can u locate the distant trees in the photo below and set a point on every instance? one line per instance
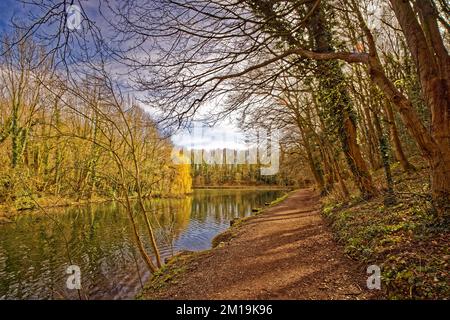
(229, 174)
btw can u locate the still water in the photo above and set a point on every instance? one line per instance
(37, 248)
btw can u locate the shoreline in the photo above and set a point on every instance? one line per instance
(246, 187)
(8, 211)
(262, 256)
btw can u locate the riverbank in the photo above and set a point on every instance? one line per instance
(39, 203)
(27, 204)
(284, 252)
(245, 187)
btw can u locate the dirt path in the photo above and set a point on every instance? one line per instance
(285, 253)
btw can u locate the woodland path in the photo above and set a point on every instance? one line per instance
(287, 252)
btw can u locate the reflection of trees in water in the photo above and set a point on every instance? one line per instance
(224, 205)
(36, 256)
(171, 217)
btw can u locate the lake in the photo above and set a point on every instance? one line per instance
(37, 248)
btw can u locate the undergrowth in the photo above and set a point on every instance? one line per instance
(407, 240)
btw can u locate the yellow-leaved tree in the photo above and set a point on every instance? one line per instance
(182, 179)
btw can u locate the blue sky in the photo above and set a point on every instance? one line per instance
(7, 9)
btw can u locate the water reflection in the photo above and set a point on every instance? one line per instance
(36, 250)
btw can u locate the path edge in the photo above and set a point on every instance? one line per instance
(179, 264)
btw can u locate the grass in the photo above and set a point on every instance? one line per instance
(407, 240)
(170, 273)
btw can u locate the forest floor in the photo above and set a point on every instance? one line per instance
(285, 252)
(407, 240)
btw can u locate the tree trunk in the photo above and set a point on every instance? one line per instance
(312, 165)
(389, 197)
(14, 137)
(317, 173)
(355, 160)
(343, 187)
(335, 99)
(398, 149)
(371, 144)
(129, 210)
(440, 186)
